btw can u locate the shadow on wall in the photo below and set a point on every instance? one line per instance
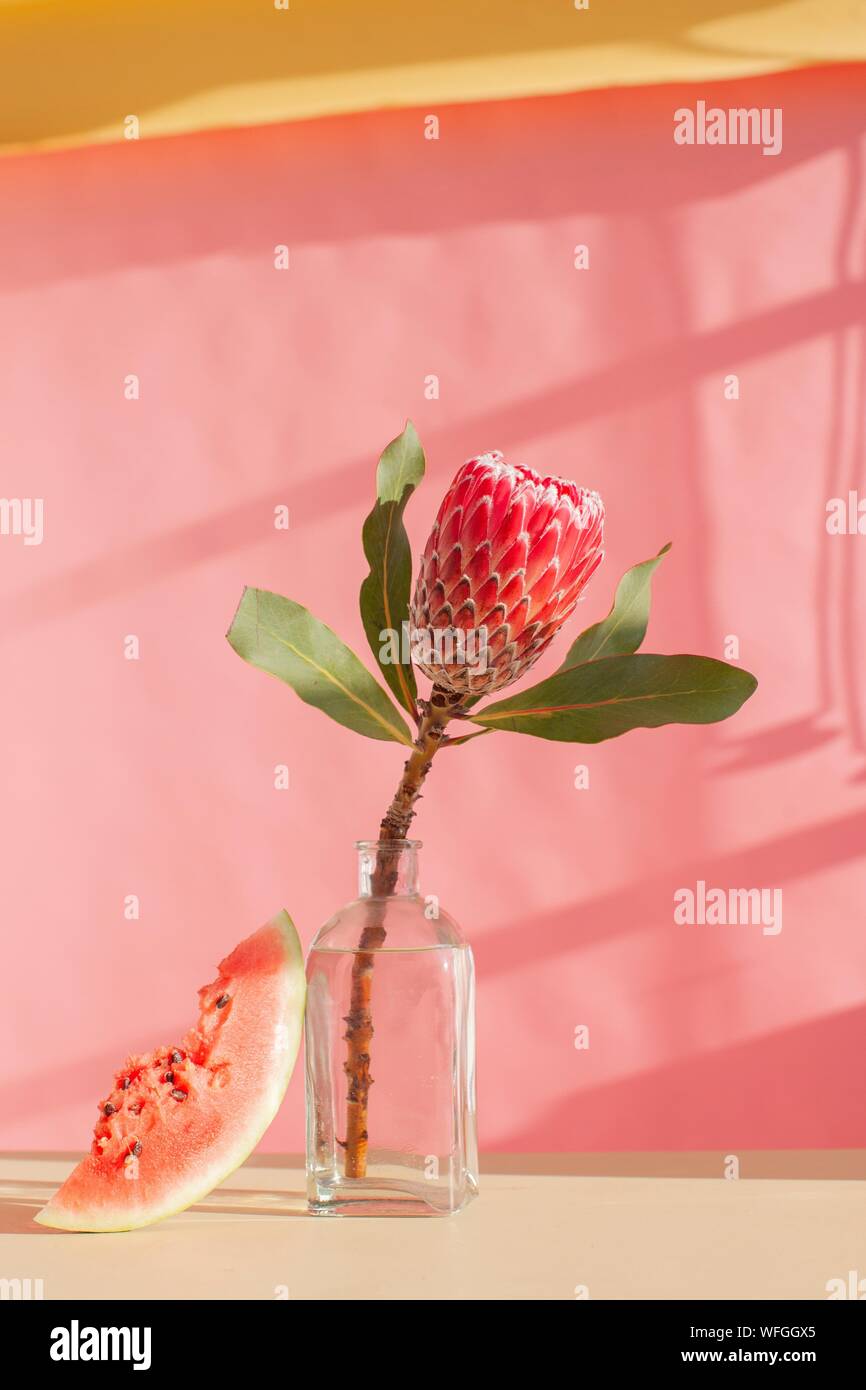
(632, 381)
(335, 180)
(72, 64)
(815, 848)
(773, 1092)
(184, 203)
(839, 577)
(338, 173)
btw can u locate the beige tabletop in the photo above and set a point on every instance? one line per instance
(542, 1228)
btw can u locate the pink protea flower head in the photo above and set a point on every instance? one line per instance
(508, 558)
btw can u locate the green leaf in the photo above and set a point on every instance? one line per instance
(285, 640)
(624, 628)
(603, 699)
(385, 592)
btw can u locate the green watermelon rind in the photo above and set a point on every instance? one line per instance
(63, 1218)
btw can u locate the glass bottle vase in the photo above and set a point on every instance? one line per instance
(390, 1049)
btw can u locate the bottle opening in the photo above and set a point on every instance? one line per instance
(387, 868)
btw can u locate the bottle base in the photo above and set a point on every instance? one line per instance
(385, 1198)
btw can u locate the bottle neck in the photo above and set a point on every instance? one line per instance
(388, 868)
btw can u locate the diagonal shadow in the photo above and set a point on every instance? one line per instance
(785, 858)
(851, 591)
(667, 368)
(789, 740)
(835, 581)
(19, 1206)
(130, 50)
(805, 1077)
(329, 181)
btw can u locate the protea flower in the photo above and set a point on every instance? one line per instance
(508, 558)
(509, 555)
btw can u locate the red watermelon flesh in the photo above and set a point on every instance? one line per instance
(180, 1119)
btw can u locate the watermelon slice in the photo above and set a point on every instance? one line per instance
(180, 1119)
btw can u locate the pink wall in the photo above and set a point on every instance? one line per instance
(409, 257)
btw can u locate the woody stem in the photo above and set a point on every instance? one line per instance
(394, 828)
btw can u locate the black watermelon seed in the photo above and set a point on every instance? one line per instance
(178, 1094)
(222, 1001)
(176, 1056)
(169, 1076)
(108, 1109)
(136, 1148)
(124, 1085)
